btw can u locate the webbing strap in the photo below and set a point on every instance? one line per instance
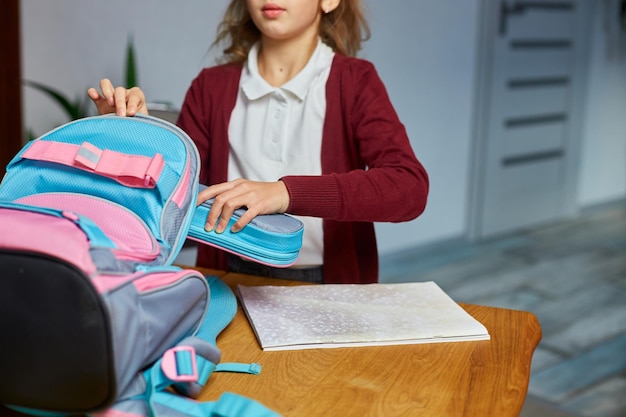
(228, 405)
(242, 368)
(181, 365)
(138, 171)
(168, 404)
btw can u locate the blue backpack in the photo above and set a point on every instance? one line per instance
(93, 316)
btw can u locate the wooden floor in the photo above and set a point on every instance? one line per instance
(572, 276)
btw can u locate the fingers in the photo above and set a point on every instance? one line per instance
(108, 91)
(224, 205)
(101, 102)
(135, 102)
(243, 221)
(105, 99)
(257, 197)
(118, 100)
(93, 94)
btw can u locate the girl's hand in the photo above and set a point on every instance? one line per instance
(118, 100)
(257, 197)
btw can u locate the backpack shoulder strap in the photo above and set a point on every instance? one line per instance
(187, 366)
(167, 404)
(197, 356)
(222, 309)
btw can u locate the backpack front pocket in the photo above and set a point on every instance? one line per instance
(129, 233)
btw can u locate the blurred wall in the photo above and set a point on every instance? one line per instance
(425, 52)
(603, 165)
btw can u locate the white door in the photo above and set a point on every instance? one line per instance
(531, 92)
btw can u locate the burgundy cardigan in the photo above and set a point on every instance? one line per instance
(369, 170)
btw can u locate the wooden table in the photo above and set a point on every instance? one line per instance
(485, 378)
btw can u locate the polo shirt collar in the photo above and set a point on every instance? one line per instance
(255, 87)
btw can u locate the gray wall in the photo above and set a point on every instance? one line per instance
(425, 52)
(603, 163)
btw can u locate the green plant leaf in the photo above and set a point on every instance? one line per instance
(131, 74)
(74, 110)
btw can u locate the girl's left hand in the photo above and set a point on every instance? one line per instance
(257, 197)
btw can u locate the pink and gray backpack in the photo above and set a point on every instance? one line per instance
(94, 319)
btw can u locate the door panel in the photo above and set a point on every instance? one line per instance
(539, 100)
(535, 64)
(530, 85)
(538, 175)
(555, 23)
(537, 138)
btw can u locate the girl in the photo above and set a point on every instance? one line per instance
(293, 123)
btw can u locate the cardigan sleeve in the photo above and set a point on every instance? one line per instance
(370, 172)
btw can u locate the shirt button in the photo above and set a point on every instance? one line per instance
(277, 115)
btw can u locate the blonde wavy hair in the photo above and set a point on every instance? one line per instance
(343, 30)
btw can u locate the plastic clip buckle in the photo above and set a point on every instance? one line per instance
(179, 364)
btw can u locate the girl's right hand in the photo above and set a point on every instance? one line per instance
(118, 100)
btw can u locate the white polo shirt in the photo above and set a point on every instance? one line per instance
(277, 131)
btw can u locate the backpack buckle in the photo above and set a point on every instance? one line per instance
(179, 364)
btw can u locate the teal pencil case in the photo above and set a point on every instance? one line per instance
(271, 239)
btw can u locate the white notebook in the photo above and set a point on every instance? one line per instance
(350, 315)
